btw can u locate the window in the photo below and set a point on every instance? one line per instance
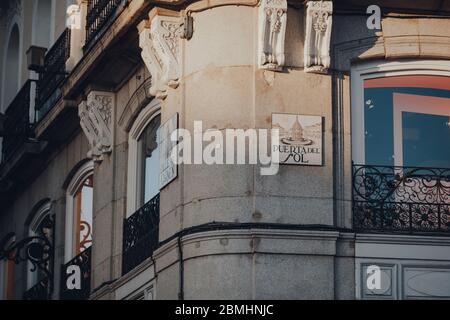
(149, 157)
(141, 227)
(83, 205)
(42, 225)
(79, 214)
(143, 161)
(402, 117)
(11, 67)
(7, 278)
(400, 139)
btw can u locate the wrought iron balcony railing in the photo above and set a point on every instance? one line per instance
(81, 263)
(140, 235)
(401, 199)
(18, 126)
(99, 14)
(53, 75)
(41, 291)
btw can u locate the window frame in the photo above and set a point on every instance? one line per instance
(134, 179)
(377, 69)
(85, 171)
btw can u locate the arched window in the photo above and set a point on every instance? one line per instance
(41, 225)
(141, 228)
(79, 212)
(143, 160)
(11, 67)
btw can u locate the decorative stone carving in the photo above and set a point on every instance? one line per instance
(318, 36)
(96, 121)
(159, 39)
(272, 31)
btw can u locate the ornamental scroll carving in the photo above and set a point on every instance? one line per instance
(159, 39)
(272, 32)
(318, 36)
(96, 122)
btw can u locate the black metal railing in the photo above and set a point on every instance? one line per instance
(73, 288)
(99, 14)
(18, 125)
(41, 291)
(140, 235)
(401, 199)
(53, 74)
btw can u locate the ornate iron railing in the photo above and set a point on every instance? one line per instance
(140, 235)
(38, 292)
(53, 74)
(18, 125)
(99, 14)
(401, 199)
(78, 266)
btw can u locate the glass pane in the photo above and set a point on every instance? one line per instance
(43, 229)
(84, 215)
(150, 159)
(426, 140)
(407, 121)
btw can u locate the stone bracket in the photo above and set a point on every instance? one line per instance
(318, 36)
(272, 32)
(96, 120)
(159, 39)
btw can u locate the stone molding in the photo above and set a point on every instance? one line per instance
(96, 121)
(138, 101)
(318, 36)
(159, 39)
(272, 33)
(273, 241)
(14, 10)
(398, 239)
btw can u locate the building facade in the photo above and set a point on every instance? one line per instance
(91, 207)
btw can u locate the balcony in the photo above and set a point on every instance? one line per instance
(18, 126)
(100, 13)
(140, 235)
(83, 262)
(409, 200)
(41, 291)
(53, 75)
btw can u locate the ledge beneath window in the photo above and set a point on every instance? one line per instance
(59, 122)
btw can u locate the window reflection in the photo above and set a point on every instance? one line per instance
(407, 121)
(83, 215)
(150, 152)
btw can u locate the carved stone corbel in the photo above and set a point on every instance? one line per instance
(159, 39)
(272, 32)
(96, 121)
(318, 36)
